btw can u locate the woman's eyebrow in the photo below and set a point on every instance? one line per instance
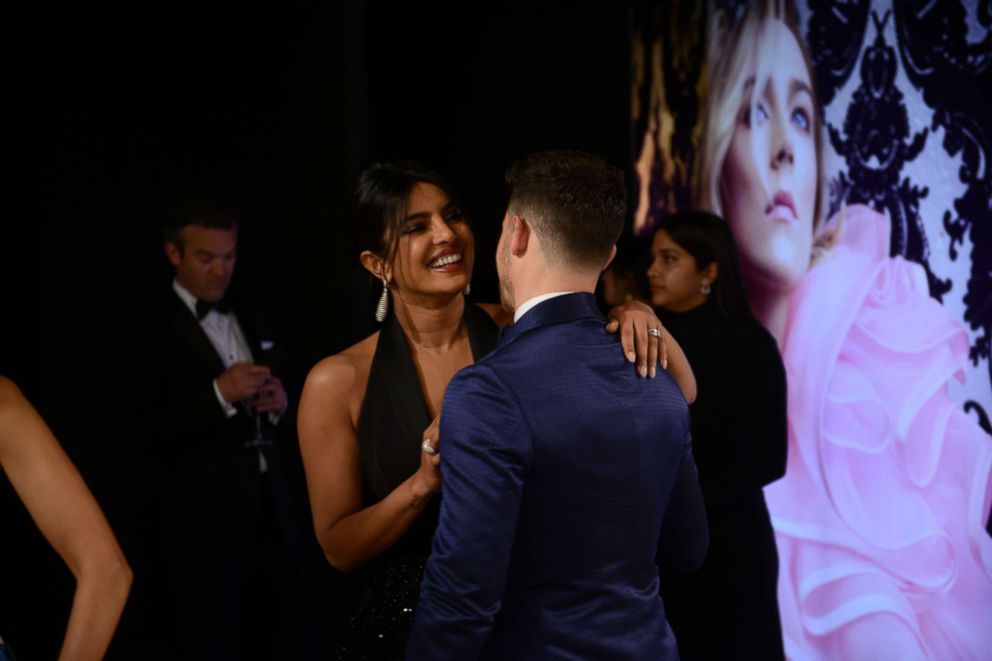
(797, 86)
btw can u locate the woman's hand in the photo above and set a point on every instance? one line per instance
(350, 531)
(428, 476)
(633, 320)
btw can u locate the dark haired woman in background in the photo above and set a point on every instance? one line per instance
(369, 446)
(727, 609)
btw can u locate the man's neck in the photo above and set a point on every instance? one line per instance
(548, 283)
(431, 327)
(530, 303)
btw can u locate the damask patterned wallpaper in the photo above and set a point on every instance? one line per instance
(907, 94)
(882, 518)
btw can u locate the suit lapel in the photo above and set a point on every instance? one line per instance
(189, 329)
(250, 330)
(557, 310)
(411, 411)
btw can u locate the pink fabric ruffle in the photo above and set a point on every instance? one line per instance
(880, 517)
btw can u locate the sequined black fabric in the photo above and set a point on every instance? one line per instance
(379, 628)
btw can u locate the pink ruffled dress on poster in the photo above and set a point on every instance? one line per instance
(879, 519)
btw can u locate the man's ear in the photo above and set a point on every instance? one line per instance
(374, 264)
(173, 252)
(520, 237)
(609, 260)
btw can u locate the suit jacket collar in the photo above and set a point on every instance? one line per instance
(190, 330)
(557, 310)
(247, 322)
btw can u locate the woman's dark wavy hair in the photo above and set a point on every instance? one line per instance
(377, 202)
(707, 238)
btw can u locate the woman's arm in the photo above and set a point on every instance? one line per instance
(632, 320)
(349, 534)
(678, 366)
(70, 519)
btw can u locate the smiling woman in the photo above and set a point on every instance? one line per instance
(368, 417)
(433, 249)
(366, 412)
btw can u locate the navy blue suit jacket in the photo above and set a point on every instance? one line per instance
(559, 465)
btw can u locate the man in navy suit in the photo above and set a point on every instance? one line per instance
(567, 479)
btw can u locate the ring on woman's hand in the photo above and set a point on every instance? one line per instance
(427, 447)
(654, 332)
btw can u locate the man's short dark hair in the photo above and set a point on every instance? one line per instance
(575, 201)
(202, 211)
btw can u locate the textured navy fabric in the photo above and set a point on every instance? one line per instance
(558, 464)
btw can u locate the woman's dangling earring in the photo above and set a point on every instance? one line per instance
(705, 288)
(468, 289)
(383, 306)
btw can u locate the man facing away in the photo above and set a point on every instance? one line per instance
(567, 479)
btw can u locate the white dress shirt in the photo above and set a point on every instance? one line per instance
(227, 338)
(526, 306)
(225, 334)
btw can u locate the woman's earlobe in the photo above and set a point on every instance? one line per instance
(373, 264)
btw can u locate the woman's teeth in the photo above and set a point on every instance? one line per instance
(444, 261)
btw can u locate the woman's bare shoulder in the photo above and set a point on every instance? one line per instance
(346, 372)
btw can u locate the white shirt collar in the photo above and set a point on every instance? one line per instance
(188, 299)
(526, 306)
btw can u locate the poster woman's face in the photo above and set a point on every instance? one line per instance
(769, 177)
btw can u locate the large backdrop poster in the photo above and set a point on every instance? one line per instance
(848, 144)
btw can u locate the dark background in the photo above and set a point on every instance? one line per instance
(124, 109)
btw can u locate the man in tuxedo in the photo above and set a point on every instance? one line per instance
(566, 478)
(202, 378)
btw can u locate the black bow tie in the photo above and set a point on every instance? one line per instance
(223, 306)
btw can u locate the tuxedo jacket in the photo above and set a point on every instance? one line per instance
(566, 481)
(206, 483)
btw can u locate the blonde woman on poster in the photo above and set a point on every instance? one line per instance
(879, 518)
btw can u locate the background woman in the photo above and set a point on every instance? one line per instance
(738, 438)
(71, 521)
(879, 519)
(366, 413)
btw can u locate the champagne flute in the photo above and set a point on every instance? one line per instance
(259, 439)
